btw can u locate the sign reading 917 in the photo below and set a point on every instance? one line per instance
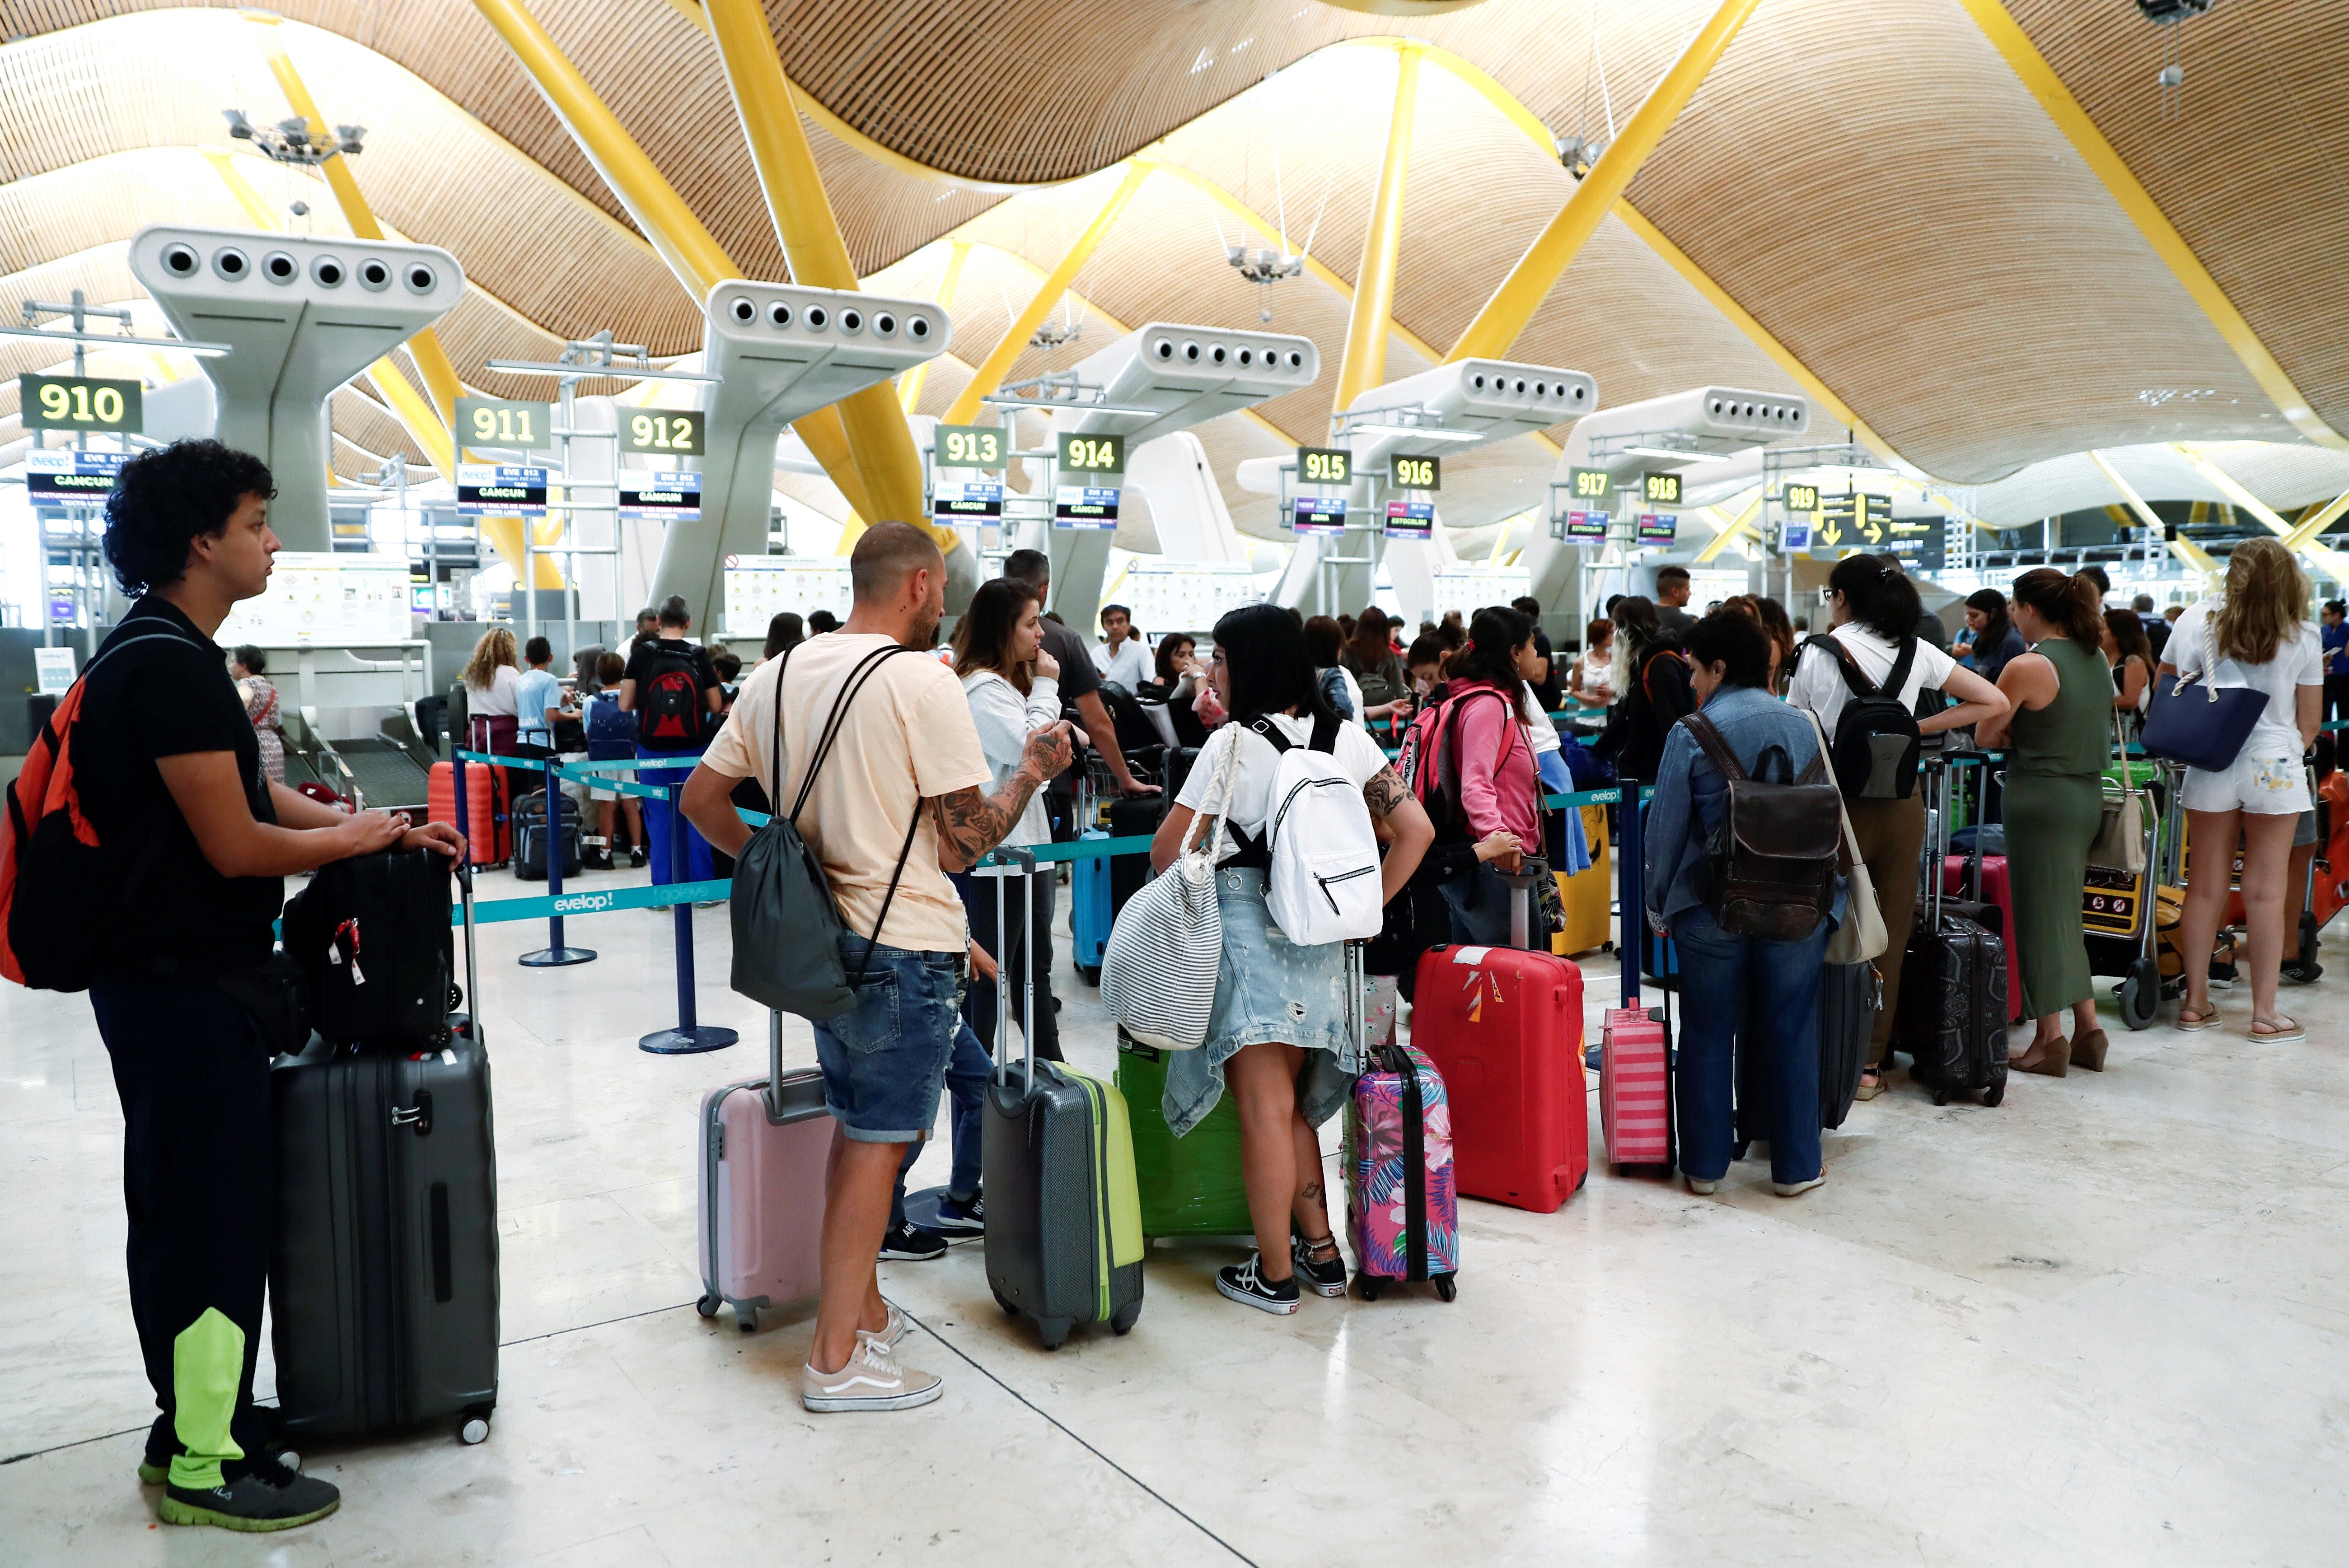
(665, 432)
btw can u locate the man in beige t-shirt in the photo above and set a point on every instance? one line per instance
(905, 778)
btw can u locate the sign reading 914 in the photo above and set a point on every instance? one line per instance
(667, 432)
(79, 402)
(1092, 454)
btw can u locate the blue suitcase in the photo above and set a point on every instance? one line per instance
(1088, 912)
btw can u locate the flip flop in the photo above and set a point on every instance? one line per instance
(2290, 1030)
(2209, 1020)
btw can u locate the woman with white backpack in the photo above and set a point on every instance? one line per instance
(1291, 792)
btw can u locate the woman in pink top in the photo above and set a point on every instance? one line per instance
(1500, 791)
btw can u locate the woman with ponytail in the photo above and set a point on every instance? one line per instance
(2057, 740)
(2256, 637)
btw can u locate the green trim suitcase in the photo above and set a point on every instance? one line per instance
(1190, 1186)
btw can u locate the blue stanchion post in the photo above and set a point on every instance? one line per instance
(1633, 895)
(689, 1037)
(555, 954)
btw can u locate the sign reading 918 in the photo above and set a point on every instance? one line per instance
(668, 432)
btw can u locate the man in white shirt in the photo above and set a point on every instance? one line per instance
(1125, 657)
(903, 797)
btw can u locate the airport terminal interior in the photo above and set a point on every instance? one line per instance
(574, 330)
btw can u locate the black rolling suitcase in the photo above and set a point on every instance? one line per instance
(371, 933)
(531, 835)
(383, 1291)
(1952, 1015)
(1063, 1210)
(1139, 814)
(1850, 995)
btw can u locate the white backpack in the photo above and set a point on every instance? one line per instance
(1323, 886)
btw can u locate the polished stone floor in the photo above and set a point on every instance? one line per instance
(2108, 1323)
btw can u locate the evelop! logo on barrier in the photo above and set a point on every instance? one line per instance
(586, 902)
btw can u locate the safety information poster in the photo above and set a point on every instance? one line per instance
(330, 600)
(1186, 595)
(760, 586)
(1469, 589)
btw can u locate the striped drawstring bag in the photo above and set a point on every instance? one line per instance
(1158, 968)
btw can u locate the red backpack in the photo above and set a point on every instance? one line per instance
(671, 702)
(48, 845)
(1429, 762)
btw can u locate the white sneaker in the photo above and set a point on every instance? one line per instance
(1796, 1189)
(1702, 1189)
(871, 1380)
(886, 1336)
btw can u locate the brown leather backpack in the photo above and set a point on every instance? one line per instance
(1773, 856)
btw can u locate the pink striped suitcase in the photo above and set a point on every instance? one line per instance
(1635, 1088)
(765, 1146)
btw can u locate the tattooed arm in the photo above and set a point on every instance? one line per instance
(970, 823)
(1394, 807)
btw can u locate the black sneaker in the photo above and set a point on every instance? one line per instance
(596, 860)
(155, 1464)
(636, 860)
(962, 1221)
(1325, 1275)
(2302, 972)
(265, 1496)
(1246, 1284)
(910, 1243)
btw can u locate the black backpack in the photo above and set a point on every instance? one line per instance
(1773, 859)
(671, 702)
(1876, 735)
(371, 933)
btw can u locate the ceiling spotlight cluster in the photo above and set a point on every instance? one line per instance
(1264, 267)
(290, 140)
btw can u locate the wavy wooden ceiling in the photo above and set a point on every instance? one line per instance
(1866, 177)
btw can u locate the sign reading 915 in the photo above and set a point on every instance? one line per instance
(669, 432)
(81, 403)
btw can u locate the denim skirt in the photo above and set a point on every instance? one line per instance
(1268, 988)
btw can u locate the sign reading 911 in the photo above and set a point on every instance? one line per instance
(81, 403)
(664, 432)
(502, 424)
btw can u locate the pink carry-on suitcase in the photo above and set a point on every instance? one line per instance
(764, 1145)
(1403, 1209)
(1635, 1072)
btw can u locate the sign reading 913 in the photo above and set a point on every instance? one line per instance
(81, 403)
(667, 432)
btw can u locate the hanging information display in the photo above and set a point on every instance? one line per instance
(502, 424)
(1318, 514)
(1589, 484)
(81, 403)
(71, 477)
(327, 598)
(758, 587)
(1416, 474)
(1661, 490)
(973, 503)
(1091, 454)
(968, 447)
(1324, 466)
(673, 497)
(1411, 520)
(1082, 506)
(1585, 525)
(500, 489)
(663, 432)
(1658, 526)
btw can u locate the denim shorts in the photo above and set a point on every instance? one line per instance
(885, 1059)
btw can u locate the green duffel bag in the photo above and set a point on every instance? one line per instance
(1190, 1186)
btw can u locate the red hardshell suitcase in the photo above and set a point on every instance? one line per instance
(489, 818)
(1504, 1026)
(1996, 889)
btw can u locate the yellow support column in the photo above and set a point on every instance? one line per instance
(878, 438)
(1364, 365)
(999, 362)
(1529, 281)
(2317, 521)
(679, 238)
(910, 394)
(2323, 557)
(1742, 524)
(2184, 549)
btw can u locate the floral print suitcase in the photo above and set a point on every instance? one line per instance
(1402, 1214)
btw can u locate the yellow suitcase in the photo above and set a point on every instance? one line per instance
(1590, 894)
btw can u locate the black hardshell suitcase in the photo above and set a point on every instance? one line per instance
(1138, 815)
(1063, 1213)
(1952, 1015)
(384, 1287)
(531, 836)
(372, 934)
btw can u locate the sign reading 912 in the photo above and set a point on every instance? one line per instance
(81, 403)
(667, 432)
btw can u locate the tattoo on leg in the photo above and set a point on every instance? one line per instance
(1312, 1193)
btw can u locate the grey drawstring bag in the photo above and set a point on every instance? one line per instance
(786, 927)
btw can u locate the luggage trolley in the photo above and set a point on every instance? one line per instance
(2118, 909)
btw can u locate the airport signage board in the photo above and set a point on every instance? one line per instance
(674, 497)
(1318, 514)
(71, 477)
(500, 489)
(1091, 454)
(973, 503)
(1660, 490)
(1852, 521)
(968, 447)
(1795, 534)
(1416, 474)
(1411, 519)
(1658, 528)
(1589, 484)
(502, 424)
(81, 403)
(1084, 506)
(1324, 466)
(664, 432)
(1586, 525)
(1799, 498)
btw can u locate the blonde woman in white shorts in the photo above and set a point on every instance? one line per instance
(2256, 635)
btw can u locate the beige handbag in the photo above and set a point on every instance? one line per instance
(2120, 838)
(1862, 935)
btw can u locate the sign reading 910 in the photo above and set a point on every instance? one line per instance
(81, 403)
(668, 432)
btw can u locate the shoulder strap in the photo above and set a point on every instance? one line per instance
(1897, 677)
(1262, 725)
(1715, 746)
(1325, 732)
(849, 688)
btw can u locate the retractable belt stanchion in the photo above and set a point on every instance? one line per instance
(555, 954)
(688, 1037)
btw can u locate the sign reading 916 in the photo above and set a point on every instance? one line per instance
(667, 432)
(81, 403)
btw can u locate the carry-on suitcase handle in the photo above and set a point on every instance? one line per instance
(1001, 864)
(1522, 904)
(472, 977)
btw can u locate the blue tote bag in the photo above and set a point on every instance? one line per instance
(2204, 728)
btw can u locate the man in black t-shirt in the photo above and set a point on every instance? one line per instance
(673, 689)
(1551, 688)
(198, 843)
